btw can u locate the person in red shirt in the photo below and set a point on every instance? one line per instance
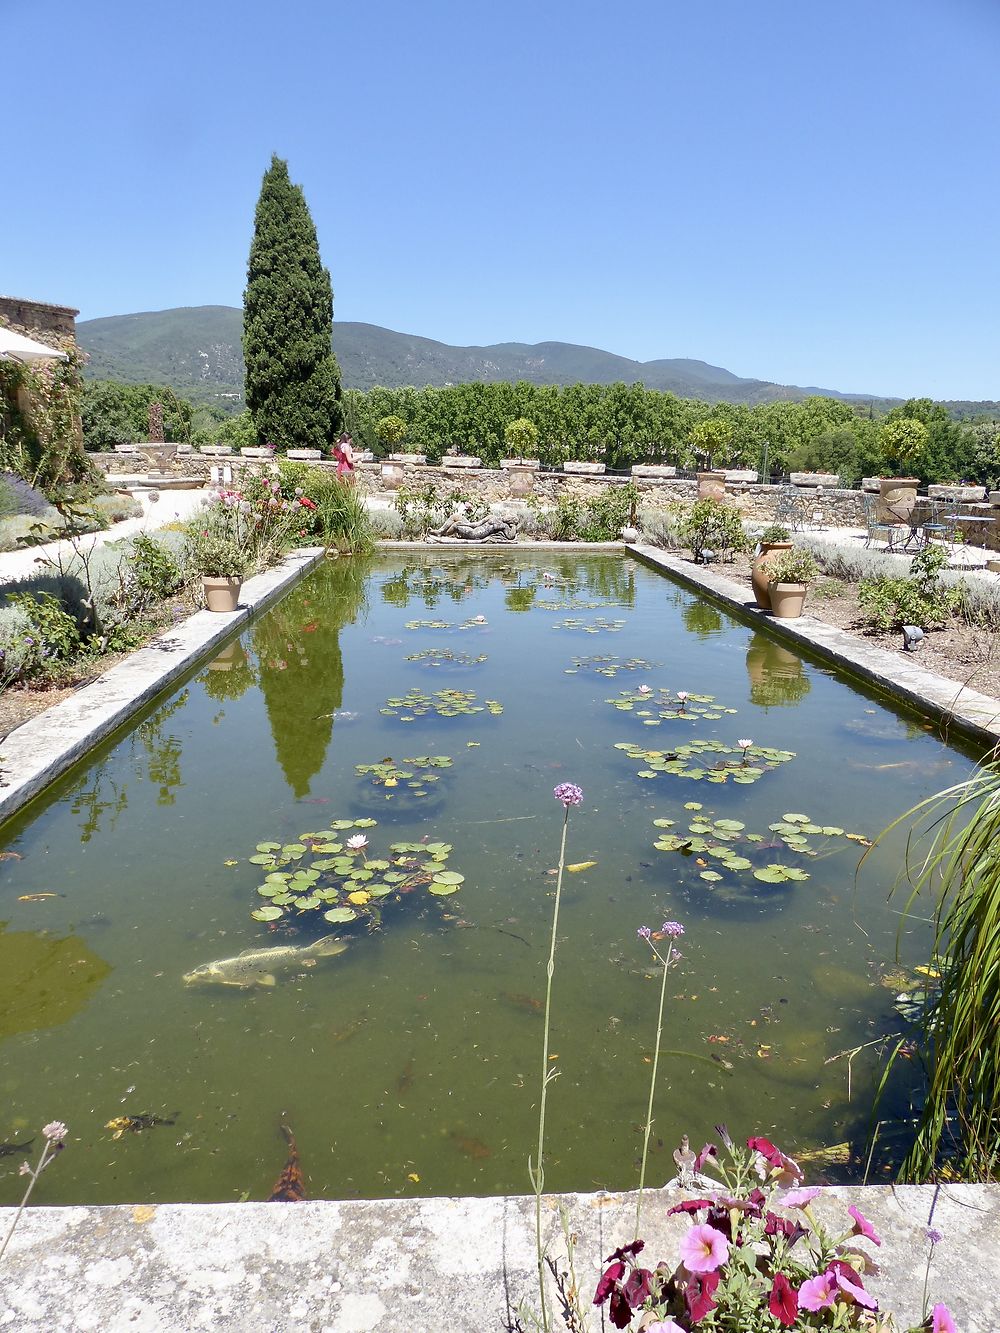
(343, 452)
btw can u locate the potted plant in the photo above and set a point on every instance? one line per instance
(217, 551)
(791, 573)
(903, 441)
(521, 440)
(773, 540)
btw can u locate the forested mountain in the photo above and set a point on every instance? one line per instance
(196, 350)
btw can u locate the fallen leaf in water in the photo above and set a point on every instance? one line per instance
(414, 1177)
(35, 897)
(472, 745)
(580, 865)
(230, 863)
(11, 856)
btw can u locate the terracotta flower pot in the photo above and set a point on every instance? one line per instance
(222, 593)
(759, 575)
(787, 600)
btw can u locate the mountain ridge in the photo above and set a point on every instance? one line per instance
(197, 351)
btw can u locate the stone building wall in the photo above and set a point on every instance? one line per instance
(50, 324)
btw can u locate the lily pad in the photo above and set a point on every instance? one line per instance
(351, 886)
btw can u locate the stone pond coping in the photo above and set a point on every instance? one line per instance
(956, 707)
(43, 748)
(427, 1265)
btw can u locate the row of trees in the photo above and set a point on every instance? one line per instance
(619, 424)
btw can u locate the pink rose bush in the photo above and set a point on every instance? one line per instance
(754, 1258)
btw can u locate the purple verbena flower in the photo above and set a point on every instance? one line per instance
(673, 928)
(568, 793)
(933, 1235)
(644, 933)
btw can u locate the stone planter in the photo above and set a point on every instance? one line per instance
(461, 460)
(216, 450)
(416, 460)
(759, 575)
(787, 600)
(654, 470)
(897, 498)
(185, 448)
(871, 483)
(711, 485)
(126, 449)
(815, 479)
(392, 476)
(961, 495)
(304, 455)
(587, 469)
(741, 474)
(222, 593)
(256, 451)
(521, 481)
(507, 464)
(364, 456)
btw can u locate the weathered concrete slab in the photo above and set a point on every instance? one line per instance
(959, 707)
(41, 750)
(424, 1265)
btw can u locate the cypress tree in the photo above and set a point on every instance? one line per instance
(292, 376)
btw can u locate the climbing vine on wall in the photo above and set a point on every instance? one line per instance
(40, 436)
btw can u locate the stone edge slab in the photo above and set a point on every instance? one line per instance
(426, 1265)
(45, 747)
(957, 707)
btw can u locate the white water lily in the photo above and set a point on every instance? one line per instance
(357, 842)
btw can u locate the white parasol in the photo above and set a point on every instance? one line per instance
(15, 347)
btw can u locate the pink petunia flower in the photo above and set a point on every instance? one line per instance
(704, 1249)
(799, 1198)
(848, 1279)
(819, 1293)
(862, 1227)
(941, 1320)
(663, 1326)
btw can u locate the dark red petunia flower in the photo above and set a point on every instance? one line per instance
(767, 1150)
(699, 1293)
(784, 1302)
(691, 1206)
(638, 1285)
(609, 1280)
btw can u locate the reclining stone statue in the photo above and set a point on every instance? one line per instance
(458, 527)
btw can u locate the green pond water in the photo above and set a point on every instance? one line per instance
(409, 1064)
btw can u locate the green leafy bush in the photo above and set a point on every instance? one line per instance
(391, 429)
(921, 598)
(54, 628)
(712, 525)
(794, 566)
(521, 438)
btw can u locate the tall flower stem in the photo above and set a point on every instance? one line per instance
(569, 795)
(54, 1135)
(652, 1081)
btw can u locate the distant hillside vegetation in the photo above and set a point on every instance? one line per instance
(196, 350)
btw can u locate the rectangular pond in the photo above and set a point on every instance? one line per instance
(429, 703)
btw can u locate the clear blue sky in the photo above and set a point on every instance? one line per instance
(801, 190)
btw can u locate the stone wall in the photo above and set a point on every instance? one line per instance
(756, 503)
(50, 324)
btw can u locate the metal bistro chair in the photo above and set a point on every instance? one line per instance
(875, 529)
(789, 509)
(936, 527)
